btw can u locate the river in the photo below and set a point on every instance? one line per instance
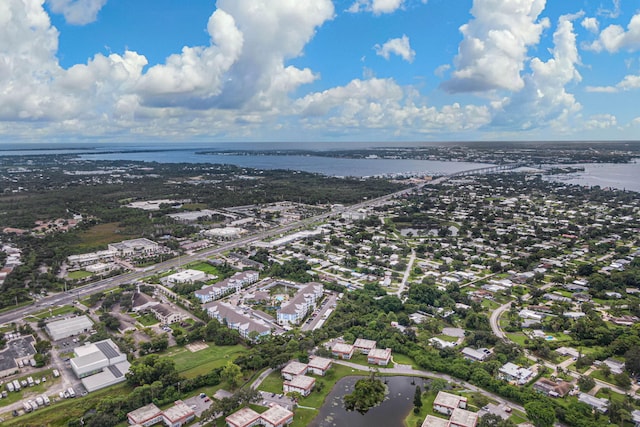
(390, 413)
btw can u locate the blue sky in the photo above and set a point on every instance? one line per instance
(318, 70)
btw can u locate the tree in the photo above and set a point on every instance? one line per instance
(232, 374)
(540, 413)
(367, 393)
(417, 398)
(586, 383)
(632, 360)
(622, 380)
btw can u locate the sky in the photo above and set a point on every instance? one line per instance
(318, 70)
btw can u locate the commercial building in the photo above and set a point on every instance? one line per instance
(186, 276)
(68, 327)
(82, 260)
(99, 365)
(135, 248)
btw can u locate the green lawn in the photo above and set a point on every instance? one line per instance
(273, 383)
(192, 364)
(204, 266)
(79, 274)
(58, 414)
(43, 314)
(415, 420)
(517, 338)
(146, 319)
(402, 359)
(28, 392)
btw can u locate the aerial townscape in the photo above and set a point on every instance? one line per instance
(319, 213)
(196, 294)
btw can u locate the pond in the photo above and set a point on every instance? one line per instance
(390, 413)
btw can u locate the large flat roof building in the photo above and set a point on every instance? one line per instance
(69, 327)
(99, 365)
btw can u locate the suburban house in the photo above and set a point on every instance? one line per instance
(319, 365)
(342, 350)
(445, 402)
(599, 404)
(552, 388)
(513, 373)
(293, 311)
(301, 384)
(379, 356)
(479, 355)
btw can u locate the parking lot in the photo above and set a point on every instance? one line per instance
(269, 398)
(503, 411)
(198, 404)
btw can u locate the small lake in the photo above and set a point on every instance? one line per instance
(390, 413)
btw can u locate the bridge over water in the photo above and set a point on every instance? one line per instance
(487, 170)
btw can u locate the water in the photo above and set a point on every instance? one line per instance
(390, 413)
(317, 164)
(623, 176)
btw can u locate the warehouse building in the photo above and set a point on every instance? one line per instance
(99, 365)
(65, 328)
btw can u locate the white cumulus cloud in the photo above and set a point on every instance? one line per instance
(494, 46)
(398, 46)
(544, 100)
(377, 7)
(590, 24)
(629, 82)
(614, 38)
(77, 12)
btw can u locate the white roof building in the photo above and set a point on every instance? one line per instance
(68, 327)
(99, 364)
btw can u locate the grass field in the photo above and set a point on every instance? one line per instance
(146, 319)
(43, 314)
(79, 274)
(201, 362)
(401, 359)
(30, 392)
(101, 235)
(58, 414)
(204, 266)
